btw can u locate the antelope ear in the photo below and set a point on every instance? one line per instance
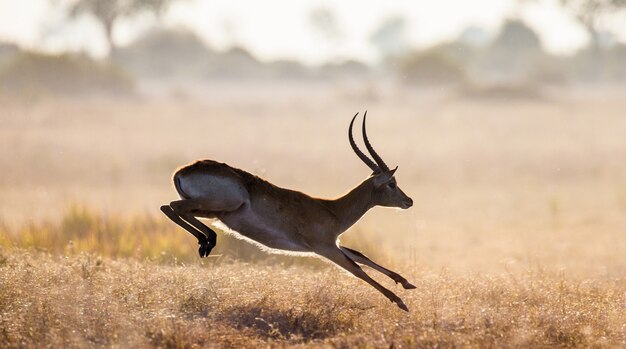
(384, 177)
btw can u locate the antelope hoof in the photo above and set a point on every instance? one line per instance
(401, 304)
(407, 285)
(205, 248)
(395, 299)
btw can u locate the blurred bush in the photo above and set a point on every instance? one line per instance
(599, 65)
(345, 69)
(501, 91)
(166, 54)
(236, 63)
(7, 52)
(179, 54)
(289, 69)
(548, 71)
(432, 67)
(616, 63)
(36, 74)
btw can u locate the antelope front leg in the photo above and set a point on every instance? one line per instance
(341, 259)
(362, 259)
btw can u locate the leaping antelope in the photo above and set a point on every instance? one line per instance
(285, 219)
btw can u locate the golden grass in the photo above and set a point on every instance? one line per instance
(89, 301)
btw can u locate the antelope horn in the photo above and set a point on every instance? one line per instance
(371, 150)
(358, 152)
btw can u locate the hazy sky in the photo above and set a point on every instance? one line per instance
(281, 28)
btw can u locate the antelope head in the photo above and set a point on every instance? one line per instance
(382, 183)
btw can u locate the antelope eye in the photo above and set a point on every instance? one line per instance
(392, 185)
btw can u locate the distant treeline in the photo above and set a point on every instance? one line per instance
(514, 57)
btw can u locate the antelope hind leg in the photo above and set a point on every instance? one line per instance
(204, 248)
(185, 209)
(210, 234)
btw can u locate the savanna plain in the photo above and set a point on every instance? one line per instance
(516, 237)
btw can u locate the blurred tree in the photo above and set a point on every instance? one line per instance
(590, 13)
(513, 53)
(590, 64)
(390, 37)
(325, 23)
(516, 35)
(108, 11)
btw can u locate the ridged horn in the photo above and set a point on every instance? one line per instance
(358, 152)
(371, 150)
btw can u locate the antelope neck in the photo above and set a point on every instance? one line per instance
(350, 207)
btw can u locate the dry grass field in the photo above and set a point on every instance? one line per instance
(516, 238)
(88, 301)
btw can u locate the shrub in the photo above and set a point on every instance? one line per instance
(430, 67)
(502, 91)
(41, 74)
